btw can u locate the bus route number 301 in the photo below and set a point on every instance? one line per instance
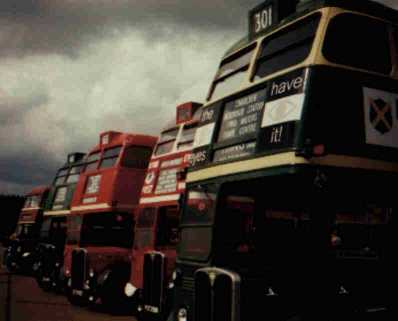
(262, 19)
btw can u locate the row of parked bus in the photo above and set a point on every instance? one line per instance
(77, 235)
(277, 194)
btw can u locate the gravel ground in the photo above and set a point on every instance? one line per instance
(30, 303)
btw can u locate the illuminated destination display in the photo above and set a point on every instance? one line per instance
(241, 116)
(167, 181)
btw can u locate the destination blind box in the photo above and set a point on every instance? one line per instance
(268, 14)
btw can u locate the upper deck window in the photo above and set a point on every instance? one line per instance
(93, 157)
(74, 174)
(136, 157)
(358, 41)
(35, 201)
(232, 72)
(60, 196)
(110, 156)
(61, 176)
(187, 136)
(287, 47)
(92, 161)
(27, 202)
(166, 142)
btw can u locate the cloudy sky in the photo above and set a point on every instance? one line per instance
(70, 69)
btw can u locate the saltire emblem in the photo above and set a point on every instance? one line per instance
(380, 115)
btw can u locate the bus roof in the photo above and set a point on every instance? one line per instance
(304, 7)
(113, 138)
(38, 190)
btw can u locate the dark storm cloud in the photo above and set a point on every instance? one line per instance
(34, 168)
(63, 27)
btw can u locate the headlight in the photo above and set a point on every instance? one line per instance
(19, 249)
(91, 273)
(69, 282)
(129, 290)
(26, 254)
(182, 315)
(174, 276)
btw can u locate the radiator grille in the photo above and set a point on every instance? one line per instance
(79, 268)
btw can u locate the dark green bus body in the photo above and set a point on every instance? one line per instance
(338, 155)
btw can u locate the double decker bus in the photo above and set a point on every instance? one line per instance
(156, 231)
(100, 226)
(19, 255)
(50, 250)
(302, 119)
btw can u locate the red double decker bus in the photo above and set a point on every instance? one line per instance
(156, 232)
(99, 236)
(19, 255)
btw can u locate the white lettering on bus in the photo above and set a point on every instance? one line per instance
(255, 107)
(286, 86)
(207, 115)
(246, 100)
(247, 129)
(263, 19)
(248, 119)
(234, 114)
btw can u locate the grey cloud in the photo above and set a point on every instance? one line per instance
(63, 27)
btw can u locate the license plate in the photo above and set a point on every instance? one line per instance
(46, 279)
(151, 309)
(77, 292)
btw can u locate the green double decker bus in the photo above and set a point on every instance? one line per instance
(290, 210)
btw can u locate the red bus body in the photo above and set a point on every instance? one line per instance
(19, 254)
(161, 194)
(108, 188)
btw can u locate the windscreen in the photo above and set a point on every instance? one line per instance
(53, 230)
(107, 229)
(25, 231)
(196, 223)
(74, 224)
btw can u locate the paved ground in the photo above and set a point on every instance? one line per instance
(30, 303)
